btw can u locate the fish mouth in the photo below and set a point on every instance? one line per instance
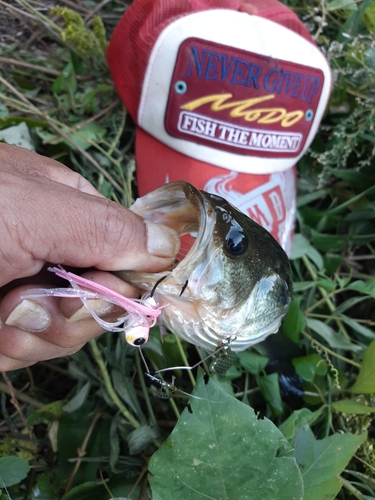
(182, 207)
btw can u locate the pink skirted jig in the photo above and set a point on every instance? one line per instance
(142, 314)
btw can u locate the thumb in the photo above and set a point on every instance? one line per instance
(56, 223)
(92, 231)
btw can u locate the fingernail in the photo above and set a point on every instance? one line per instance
(29, 316)
(100, 307)
(162, 241)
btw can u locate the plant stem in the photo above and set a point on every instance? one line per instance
(184, 359)
(353, 491)
(332, 353)
(144, 390)
(82, 451)
(108, 384)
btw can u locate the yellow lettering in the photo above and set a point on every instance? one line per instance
(241, 109)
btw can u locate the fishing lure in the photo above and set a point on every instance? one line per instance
(142, 314)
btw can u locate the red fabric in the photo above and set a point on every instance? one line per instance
(134, 37)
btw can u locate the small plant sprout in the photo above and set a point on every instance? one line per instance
(141, 314)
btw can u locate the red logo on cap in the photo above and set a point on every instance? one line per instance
(241, 102)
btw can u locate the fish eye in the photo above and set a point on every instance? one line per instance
(235, 242)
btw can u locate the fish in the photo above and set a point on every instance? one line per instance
(235, 281)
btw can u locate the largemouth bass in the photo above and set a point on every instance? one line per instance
(235, 281)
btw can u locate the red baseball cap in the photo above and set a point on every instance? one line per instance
(226, 94)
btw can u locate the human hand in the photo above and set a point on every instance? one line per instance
(50, 214)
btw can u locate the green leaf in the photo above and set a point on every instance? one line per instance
(139, 439)
(119, 486)
(18, 135)
(78, 400)
(44, 490)
(358, 327)
(357, 180)
(321, 461)
(252, 362)
(301, 286)
(367, 288)
(328, 242)
(334, 339)
(54, 408)
(327, 284)
(365, 383)
(300, 246)
(270, 388)
(66, 81)
(92, 132)
(309, 366)
(342, 4)
(297, 419)
(13, 470)
(4, 112)
(352, 406)
(221, 450)
(368, 17)
(294, 321)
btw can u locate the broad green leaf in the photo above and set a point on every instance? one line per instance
(252, 361)
(220, 450)
(44, 490)
(352, 406)
(300, 246)
(270, 388)
(365, 383)
(78, 400)
(309, 366)
(297, 419)
(321, 461)
(334, 339)
(368, 17)
(294, 321)
(18, 135)
(13, 470)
